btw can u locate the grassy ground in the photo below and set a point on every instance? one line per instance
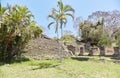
(69, 68)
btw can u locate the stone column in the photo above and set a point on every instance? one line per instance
(81, 51)
(116, 51)
(91, 52)
(102, 51)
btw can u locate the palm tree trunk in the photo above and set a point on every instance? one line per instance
(61, 54)
(61, 43)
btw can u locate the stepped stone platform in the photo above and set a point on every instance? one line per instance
(45, 48)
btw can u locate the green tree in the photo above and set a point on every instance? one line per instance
(117, 37)
(96, 34)
(84, 30)
(17, 28)
(69, 39)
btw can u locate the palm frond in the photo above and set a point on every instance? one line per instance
(71, 15)
(68, 8)
(60, 5)
(56, 29)
(51, 16)
(54, 11)
(50, 24)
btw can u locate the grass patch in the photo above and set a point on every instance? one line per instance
(69, 68)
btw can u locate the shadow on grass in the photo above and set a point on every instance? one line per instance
(115, 59)
(45, 65)
(22, 59)
(80, 58)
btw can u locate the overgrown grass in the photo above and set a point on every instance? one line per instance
(69, 68)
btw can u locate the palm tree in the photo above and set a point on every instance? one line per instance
(64, 11)
(55, 17)
(60, 16)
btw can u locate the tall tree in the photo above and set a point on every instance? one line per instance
(60, 16)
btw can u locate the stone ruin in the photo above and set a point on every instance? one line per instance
(71, 48)
(115, 51)
(47, 48)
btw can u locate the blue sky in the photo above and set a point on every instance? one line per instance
(83, 8)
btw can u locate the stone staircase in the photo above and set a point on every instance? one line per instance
(45, 48)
